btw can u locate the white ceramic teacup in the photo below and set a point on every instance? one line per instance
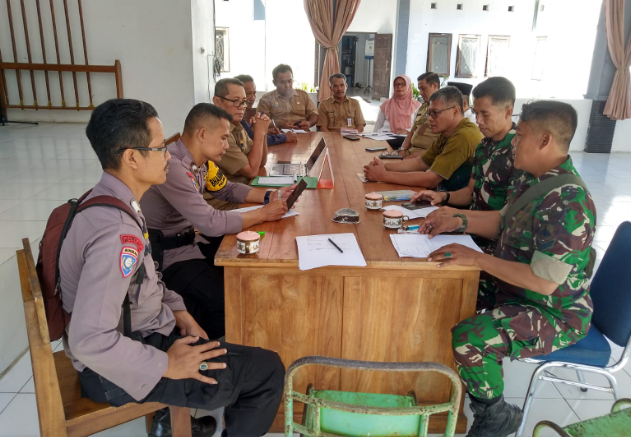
(374, 201)
(393, 219)
(248, 242)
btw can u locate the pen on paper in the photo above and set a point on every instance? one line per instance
(336, 246)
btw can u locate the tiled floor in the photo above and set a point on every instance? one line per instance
(41, 167)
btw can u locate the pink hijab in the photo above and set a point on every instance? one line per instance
(399, 110)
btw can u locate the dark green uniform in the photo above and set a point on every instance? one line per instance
(492, 172)
(553, 234)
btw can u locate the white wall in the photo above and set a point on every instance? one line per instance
(256, 47)
(152, 39)
(570, 26)
(472, 20)
(202, 50)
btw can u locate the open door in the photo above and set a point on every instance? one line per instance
(383, 66)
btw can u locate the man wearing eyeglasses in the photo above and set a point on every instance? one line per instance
(447, 163)
(288, 107)
(131, 338)
(245, 155)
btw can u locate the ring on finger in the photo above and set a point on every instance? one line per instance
(447, 254)
(203, 366)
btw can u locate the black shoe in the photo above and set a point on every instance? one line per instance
(161, 425)
(495, 420)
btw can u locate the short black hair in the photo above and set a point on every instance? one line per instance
(450, 96)
(281, 68)
(430, 78)
(201, 112)
(119, 124)
(500, 90)
(221, 87)
(336, 76)
(244, 78)
(558, 118)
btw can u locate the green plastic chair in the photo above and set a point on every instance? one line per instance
(330, 413)
(615, 424)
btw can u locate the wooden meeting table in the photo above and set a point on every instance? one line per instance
(394, 309)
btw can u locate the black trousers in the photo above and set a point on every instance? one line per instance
(250, 387)
(201, 286)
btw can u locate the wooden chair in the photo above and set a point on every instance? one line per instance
(61, 409)
(173, 138)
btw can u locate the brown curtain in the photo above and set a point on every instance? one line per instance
(618, 106)
(328, 30)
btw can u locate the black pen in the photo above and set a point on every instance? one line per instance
(336, 246)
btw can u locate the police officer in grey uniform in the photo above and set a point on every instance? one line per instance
(157, 352)
(177, 208)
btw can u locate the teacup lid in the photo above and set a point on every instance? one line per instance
(392, 213)
(248, 236)
(374, 196)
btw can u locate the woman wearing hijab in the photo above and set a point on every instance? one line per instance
(397, 113)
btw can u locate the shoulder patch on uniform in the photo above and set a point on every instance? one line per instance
(190, 175)
(132, 239)
(128, 259)
(215, 179)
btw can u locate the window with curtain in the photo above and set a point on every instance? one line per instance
(222, 48)
(468, 53)
(439, 53)
(540, 55)
(497, 56)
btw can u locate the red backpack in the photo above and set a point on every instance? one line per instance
(47, 267)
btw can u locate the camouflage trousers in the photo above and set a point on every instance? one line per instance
(517, 331)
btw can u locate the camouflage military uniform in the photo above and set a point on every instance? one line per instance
(553, 234)
(492, 172)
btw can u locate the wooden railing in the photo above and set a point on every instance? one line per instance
(19, 19)
(18, 67)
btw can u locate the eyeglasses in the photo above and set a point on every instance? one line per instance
(400, 85)
(236, 103)
(285, 82)
(434, 113)
(150, 149)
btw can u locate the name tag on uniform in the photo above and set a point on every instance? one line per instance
(349, 122)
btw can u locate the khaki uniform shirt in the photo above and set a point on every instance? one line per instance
(236, 157)
(423, 138)
(98, 266)
(298, 107)
(335, 115)
(447, 154)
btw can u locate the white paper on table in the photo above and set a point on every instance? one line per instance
(296, 131)
(420, 245)
(276, 180)
(317, 251)
(413, 214)
(362, 177)
(290, 213)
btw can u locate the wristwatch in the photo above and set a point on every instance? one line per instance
(266, 199)
(446, 202)
(465, 222)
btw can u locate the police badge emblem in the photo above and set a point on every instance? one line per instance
(128, 259)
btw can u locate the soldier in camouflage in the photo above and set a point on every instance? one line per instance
(493, 160)
(540, 284)
(492, 173)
